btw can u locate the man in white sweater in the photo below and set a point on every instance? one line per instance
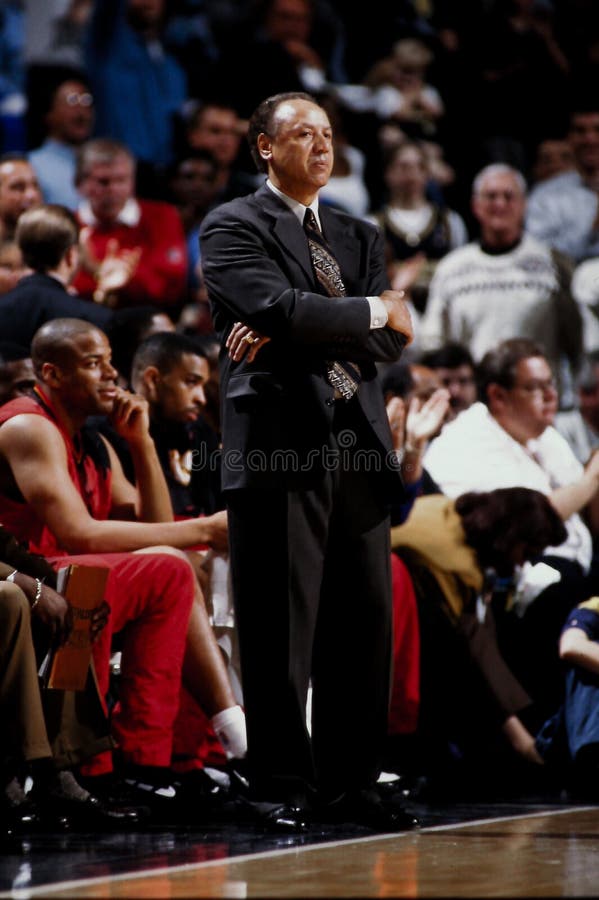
(506, 284)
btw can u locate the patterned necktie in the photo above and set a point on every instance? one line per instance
(342, 375)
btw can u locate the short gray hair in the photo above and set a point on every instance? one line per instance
(499, 169)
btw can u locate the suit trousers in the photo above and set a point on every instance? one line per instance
(312, 586)
(24, 728)
(68, 725)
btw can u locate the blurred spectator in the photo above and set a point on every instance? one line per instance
(286, 45)
(127, 329)
(17, 378)
(553, 156)
(19, 190)
(396, 88)
(13, 97)
(507, 284)
(412, 223)
(69, 120)
(12, 267)
(146, 236)
(402, 91)
(216, 127)
(571, 737)
(522, 68)
(458, 551)
(192, 35)
(580, 426)
(585, 290)
(192, 183)
(564, 210)
(138, 87)
(408, 387)
(54, 32)
(425, 380)
(455, 369)
(346, 189)
(48, 239)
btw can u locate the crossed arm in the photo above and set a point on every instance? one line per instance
(234, 255)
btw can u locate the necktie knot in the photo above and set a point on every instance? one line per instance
(310, 222)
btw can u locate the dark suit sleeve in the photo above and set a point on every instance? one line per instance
(247, 282)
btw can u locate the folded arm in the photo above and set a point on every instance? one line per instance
(234, 254)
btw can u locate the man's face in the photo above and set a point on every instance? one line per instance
(300, 154)
(408, 172)
(71, 116)
(194, 182)
(553, 157)
(499, 207)
(179, 393)
(289, 20)
(87, 379)
(12, 267)
(461, 385)
(531, 404)
(219, 131)
(17, 379)
(19, 191)
(108, 186)
(584, 140)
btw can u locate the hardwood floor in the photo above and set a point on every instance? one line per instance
(547, 851)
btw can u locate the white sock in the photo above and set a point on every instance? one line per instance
(229, 725)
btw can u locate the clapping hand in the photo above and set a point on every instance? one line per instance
(112, 272)
(425, 418)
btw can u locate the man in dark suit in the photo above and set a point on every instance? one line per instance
(304, 314)
(48, 238)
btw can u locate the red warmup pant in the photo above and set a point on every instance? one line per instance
(150, 597)
(405, 691)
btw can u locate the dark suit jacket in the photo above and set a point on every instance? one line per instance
(277, 411)
(38, 298)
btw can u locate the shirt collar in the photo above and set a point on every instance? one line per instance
(298, 209)
(129, 215)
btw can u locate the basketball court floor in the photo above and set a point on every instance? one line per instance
(528, 847)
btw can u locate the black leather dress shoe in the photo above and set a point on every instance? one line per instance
(17, 813)
(276, 818)
(64, 798)
(367, 807)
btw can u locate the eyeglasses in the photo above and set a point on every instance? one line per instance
(538, 387)
(74, 99)
(508, 196)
